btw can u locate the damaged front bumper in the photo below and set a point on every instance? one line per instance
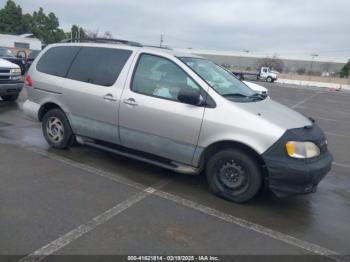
(290, 176)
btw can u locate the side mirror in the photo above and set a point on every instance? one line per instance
(189, 96)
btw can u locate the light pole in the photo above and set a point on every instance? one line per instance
(313, 56)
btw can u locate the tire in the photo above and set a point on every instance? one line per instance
(10, 97)
(269, 79)
(56, 129)
(234, 175)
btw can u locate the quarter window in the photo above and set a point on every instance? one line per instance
(99, 66)
(56, 60)
(156, 76)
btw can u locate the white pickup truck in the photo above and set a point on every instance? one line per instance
(265, 73)
(11, 81)
(257, 88)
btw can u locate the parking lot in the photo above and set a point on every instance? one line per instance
(87, 201)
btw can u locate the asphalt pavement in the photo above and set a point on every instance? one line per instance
(87, 201)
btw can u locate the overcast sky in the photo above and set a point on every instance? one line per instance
(289, 28)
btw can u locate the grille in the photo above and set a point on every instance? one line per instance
(4, 77)
(4, 71)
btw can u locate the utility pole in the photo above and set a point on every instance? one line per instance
(313, 56)
(161, 40)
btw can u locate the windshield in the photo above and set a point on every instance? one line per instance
(222, 81)
(6, 52)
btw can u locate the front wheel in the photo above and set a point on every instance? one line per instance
(233, 175)
(269, 79)
(56, 129)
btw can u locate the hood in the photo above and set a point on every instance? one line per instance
(6, 64)
(276, 114)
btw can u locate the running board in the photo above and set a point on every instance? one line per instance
(171, 165)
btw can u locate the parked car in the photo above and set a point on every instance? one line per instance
(257, 88)
(30, 58)
(178, 111)
(8, 55)
(11, 82)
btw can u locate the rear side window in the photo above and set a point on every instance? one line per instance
(56, 60)
(99, 66)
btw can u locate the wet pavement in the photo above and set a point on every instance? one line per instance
(87, 201)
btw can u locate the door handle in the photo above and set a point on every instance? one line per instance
(130, 101)
(109, 97)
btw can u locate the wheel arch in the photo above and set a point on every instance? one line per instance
(46, 107)
(227, 144)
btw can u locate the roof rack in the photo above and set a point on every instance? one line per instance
(102, 40)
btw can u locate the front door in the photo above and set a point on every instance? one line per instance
(151, 118)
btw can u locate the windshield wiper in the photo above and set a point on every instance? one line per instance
(234, 95)
(258, 96)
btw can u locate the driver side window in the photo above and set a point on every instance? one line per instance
(160, 77)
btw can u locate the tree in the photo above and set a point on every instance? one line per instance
(77, 33)
(11, 21)
(345, 71)
(45, 27)
(92, 33)
(27, 22)
(108, 35)
(272, 62)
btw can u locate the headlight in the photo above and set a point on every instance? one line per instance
(302, 149)
(15, 71)
(16, 77)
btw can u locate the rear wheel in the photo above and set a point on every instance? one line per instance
(10, 97)
(56, 129)
(233, 175)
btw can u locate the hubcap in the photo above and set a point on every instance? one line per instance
(233, 177)
(54, 129)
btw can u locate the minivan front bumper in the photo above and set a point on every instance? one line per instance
(289, 176)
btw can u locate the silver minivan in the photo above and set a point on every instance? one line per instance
(178, 111)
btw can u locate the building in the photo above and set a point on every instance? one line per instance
(250, 61)
(25, 42)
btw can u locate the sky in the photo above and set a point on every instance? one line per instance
(287, 28)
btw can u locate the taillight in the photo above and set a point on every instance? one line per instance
(28, 81)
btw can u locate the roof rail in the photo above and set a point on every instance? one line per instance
(102, 40)
(161, 47)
